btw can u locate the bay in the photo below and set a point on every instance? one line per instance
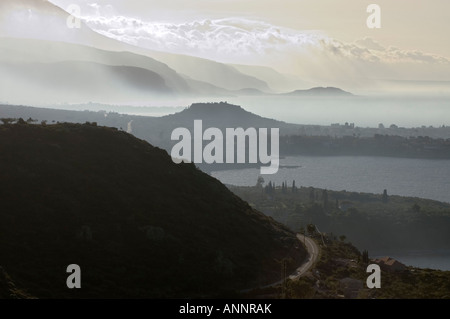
(424, 178)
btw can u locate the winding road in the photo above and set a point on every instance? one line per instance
(313, 251)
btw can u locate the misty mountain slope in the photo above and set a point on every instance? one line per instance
(218, 74)
(30, 50)
(23, 23)
(34, 19)
(40, 19)
(137, 224)
(73, 81)
(206, 89)
(276, 80)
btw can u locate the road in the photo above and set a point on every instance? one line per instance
(313, 251)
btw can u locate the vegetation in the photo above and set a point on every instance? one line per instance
(377, 145)
(138, 225)
(9, 290)
(341, 273)
(370, 221)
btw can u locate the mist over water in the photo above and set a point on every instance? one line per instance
(363, 111)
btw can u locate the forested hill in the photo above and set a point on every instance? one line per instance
(137, 224)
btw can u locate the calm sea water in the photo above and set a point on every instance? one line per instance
(423, 178)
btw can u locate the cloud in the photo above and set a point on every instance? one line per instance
(370, 44)
(314, 56)
(224, 38)
(234, 39)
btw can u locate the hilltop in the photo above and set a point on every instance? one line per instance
(138, 225)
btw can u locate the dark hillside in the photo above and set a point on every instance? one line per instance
(137, 224)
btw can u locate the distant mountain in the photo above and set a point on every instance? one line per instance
(41, 51)
(249, 92)
(40, 19)
(220, 115)
(218, 74)
(205, 89)
(320, 91)
(36, 31)
(33, 65)
(52, 72)
(138, 225)
(79, 82)
(25, 21)
(276, 80)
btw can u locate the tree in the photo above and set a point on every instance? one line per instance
(342, 238)
(284, 187)
(302, 288)
(294, 188)
(385, 196)
(311, 228)
(302, 230)
(284, 275)
(260, 182)
(311, 194)
(365, 257)
(7, 121)
(269, 188)
(325, 198)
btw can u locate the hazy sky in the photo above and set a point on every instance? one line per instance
(325, 41)
(409, 24)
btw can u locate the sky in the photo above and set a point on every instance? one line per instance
(323, 41)
(409, 24)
